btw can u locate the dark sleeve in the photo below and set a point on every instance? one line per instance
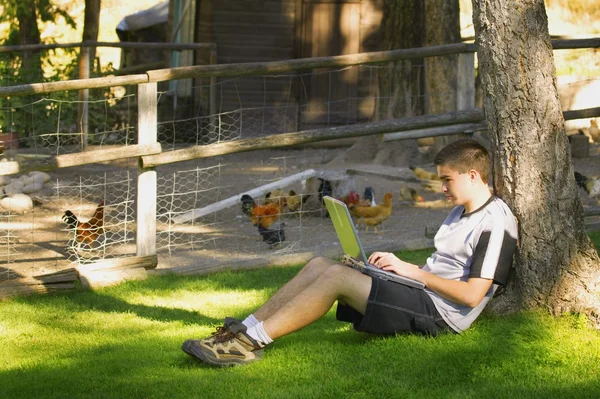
(500, 257)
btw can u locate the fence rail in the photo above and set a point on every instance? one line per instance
(149, 151)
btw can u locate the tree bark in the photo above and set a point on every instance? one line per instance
(557, 267)
(400, 86)
(91, 26)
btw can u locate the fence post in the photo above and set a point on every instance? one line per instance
(82, 109)
(146, 183)
(465, 82)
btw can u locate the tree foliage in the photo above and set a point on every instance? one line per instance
(42, 10)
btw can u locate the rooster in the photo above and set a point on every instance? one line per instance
(368, 197)
(367, 200)
(373, 215)
(263, 215)
(591, 185)
(325, 189)
(273, 237)
(90, 234)
(351, 199)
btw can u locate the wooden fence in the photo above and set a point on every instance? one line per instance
(85, 67)
(149, 153)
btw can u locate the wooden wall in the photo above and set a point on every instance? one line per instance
(270, 30)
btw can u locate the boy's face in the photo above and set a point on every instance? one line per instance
(456, 186)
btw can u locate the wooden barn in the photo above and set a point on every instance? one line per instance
(271, 30)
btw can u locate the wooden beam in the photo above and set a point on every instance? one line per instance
(134, 45)
(77, 84)
(311, 136)
(276, 67)
(436, 131)
(581, 113)
(569, 44)
(250, 68)
(130, 262)
(107, 154)
(81, 158)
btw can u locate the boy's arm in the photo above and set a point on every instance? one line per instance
(468, 293)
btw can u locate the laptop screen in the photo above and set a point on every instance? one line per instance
(342, 222)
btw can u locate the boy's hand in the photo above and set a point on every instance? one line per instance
(390, 262)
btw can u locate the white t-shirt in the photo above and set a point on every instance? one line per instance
(477, 244)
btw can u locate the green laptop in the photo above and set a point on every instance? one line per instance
(346, 232)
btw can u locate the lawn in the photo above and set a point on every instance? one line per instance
(124, 342)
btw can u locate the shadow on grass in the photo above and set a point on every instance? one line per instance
(498, 359)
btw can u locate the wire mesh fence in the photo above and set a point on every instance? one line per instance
(41, 239)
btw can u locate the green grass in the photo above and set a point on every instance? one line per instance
(124, 342)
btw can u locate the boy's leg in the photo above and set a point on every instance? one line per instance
(337, 282)
(307, 276)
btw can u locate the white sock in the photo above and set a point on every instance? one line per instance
(258, 333)
(250, 321)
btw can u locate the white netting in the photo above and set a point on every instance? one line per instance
(107, 201)
(40, 241)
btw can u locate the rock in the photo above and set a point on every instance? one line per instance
(18, 203)
(33, 187)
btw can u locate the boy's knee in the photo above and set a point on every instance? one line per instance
(318, 265)
(319, 262)
(335, 271)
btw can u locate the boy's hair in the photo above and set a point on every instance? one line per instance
(464, 155)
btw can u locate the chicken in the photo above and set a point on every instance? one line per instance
(367, 200)
(351, 199)
(369, 196)
(90, 234)
(273, 237)
(423, 174)
(275, 196)
(325, 189)
(374, 215)
(296, 201)
(593, 130)
(591, 185)
(410, 194)
(260, 215)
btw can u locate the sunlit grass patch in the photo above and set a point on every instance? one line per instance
(124, 341)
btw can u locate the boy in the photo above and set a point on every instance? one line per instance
(474, 250)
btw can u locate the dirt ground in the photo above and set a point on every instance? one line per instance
(226, 239)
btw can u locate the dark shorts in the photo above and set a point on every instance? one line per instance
(395, 308)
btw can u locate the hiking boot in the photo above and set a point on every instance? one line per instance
(221, 332)
(227, 350)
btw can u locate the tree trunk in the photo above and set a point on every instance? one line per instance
(400, 86)
(29, 33)
(442, 26)
(91, 25)
(557, 267)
